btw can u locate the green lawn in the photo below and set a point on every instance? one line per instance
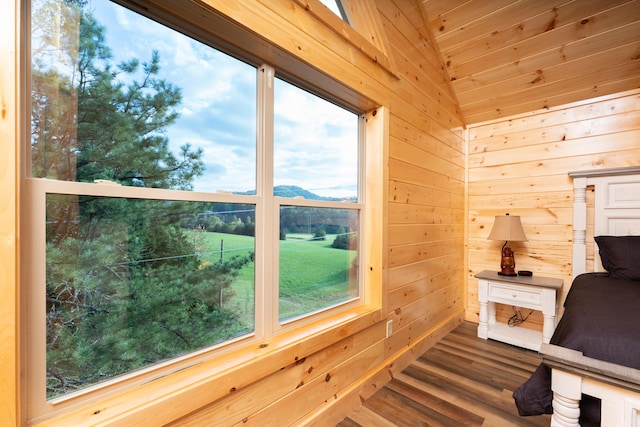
(234, 244)
(313, 275)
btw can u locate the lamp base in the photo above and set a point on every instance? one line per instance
(507, 262)
(500, 273)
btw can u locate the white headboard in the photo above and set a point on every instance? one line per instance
(617, 208)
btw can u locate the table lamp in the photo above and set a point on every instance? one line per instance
(507, 228)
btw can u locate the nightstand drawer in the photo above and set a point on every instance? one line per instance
(514, 295)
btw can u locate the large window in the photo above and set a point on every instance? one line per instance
(173, 191)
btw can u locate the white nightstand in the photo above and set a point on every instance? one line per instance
(534, 292)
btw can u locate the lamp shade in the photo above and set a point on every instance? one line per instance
(507, 227)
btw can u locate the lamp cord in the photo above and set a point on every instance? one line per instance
(517, 318)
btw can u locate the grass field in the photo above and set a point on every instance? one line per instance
(313, 275)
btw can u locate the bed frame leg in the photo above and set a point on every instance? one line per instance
(566, 398)
(565, 411)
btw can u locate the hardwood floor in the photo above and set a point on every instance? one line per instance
(461, 381)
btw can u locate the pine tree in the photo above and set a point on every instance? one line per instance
(125, 285)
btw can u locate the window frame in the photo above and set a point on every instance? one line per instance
(214, 362)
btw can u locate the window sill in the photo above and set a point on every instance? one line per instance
(170, 397)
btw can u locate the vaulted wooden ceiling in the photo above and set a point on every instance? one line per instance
(507, 57)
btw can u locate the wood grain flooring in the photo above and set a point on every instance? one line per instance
(461, 381)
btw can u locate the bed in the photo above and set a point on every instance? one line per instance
(590, 374)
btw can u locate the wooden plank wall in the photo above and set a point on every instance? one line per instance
(426, 182)
(520, 164)
(424, 230)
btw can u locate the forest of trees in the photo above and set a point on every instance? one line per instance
(240, 219)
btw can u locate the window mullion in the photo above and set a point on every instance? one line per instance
(267, 229)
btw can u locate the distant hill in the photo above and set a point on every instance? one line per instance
(295, 191)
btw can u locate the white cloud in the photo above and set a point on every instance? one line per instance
(315, 140)
(316, 143)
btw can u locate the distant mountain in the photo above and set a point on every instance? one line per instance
(295, 191)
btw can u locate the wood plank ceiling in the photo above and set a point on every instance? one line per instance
(508, 57)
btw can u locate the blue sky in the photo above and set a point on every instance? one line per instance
(315, 140)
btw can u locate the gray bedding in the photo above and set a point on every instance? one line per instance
(601, 320)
